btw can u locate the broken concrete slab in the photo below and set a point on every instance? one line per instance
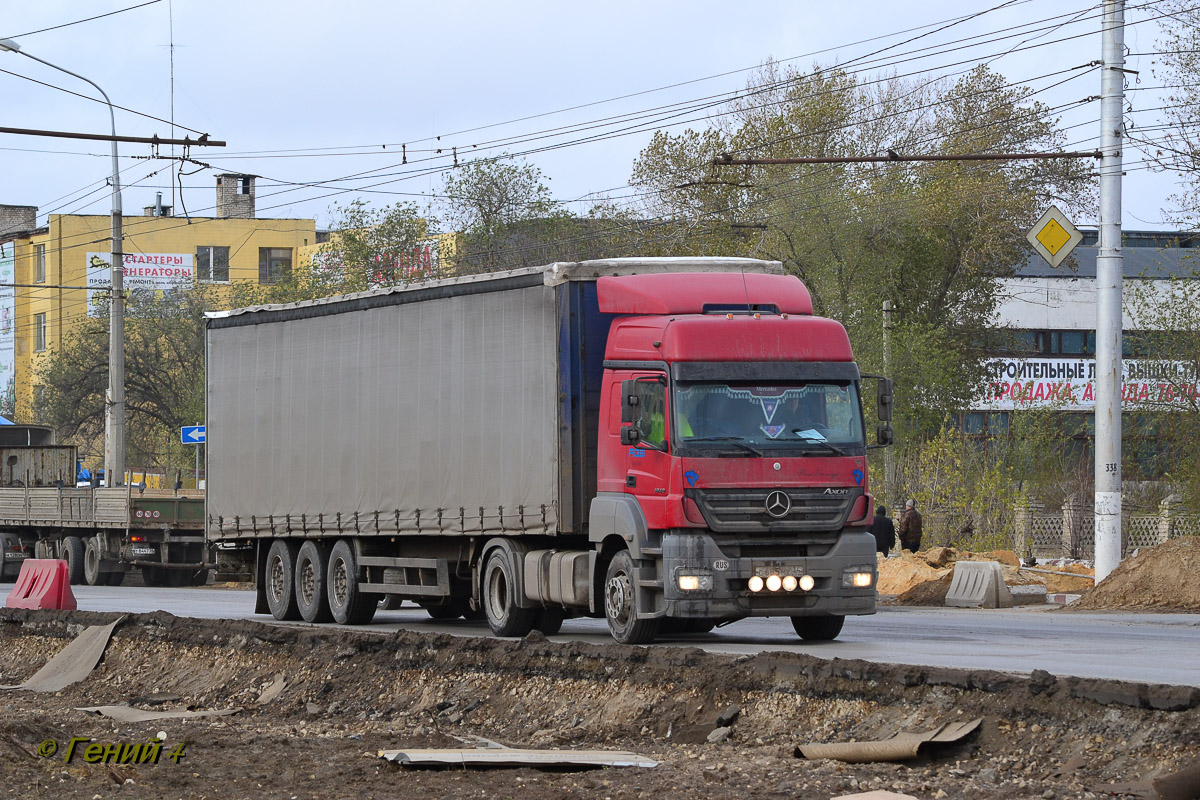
(73, 663)
(129, 714)
(513, 757)
(901, 747)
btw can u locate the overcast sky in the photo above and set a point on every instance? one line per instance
(317, 81)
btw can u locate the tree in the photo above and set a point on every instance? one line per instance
(930, 237)
(1176, 146)
(164, 379)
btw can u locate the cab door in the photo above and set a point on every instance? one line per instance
(645, 435)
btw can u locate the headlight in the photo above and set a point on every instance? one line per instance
(807, 583)
(773, 583)
(689, 583)
(789, 583)
(860, 577)
(755, 584)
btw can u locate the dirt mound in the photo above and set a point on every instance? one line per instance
(927, 593)
(347, 694)
(900, 574)
(1161, 577)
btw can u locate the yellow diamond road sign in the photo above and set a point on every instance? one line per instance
(1054, 236)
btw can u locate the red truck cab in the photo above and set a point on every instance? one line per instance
(732, 435)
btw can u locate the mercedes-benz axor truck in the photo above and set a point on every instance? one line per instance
(671, 444)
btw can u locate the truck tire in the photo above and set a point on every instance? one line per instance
(348, 603)
(621, 604)
(504, 616)
(72, 551)
(91, 562)
(279, 580)
(312, 563)
(177, 578)
(114, 578)
(550, 620)
(451, 610)
(391, 602)
(818, 629)
(200, 577)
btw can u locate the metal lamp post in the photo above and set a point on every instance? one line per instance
(114, 409)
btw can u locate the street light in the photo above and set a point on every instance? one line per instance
(114, 408)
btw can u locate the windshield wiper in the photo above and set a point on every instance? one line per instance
(822, 443)
(737, 441)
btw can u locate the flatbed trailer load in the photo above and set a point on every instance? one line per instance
(661, 442)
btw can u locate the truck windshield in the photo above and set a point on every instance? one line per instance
(811, 418)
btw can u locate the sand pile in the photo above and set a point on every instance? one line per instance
(1162, 577)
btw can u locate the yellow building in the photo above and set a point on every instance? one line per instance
(61, 270)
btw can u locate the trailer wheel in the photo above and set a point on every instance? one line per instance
(73, 553)
(818, 629)
(279, 580)
(91, 562)
(311, 565)
(348, 603)
(549, 620)
(114, 578)
(504, 616)
(620, 603)
(451, 610)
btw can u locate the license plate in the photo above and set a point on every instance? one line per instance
(143, 551)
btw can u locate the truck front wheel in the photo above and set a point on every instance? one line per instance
(621, 604)
(278, 580)
(504, 616)
(818, 629)
(347, 601)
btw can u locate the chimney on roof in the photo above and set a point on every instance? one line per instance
(14, 219)
(158, 209)
(235, 196)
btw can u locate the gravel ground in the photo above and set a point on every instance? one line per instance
(341, 696)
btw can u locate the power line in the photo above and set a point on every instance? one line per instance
(80, 21)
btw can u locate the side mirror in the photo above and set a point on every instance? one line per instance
(630, 435)
(884, 434)
(629, 402)
(883, 399)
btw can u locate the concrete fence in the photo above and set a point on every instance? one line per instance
(1069, 532)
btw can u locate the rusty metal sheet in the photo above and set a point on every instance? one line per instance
(901, 747)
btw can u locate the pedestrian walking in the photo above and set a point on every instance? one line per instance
(910, 527)
(884, 530)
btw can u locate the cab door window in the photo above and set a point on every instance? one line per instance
(650, 412)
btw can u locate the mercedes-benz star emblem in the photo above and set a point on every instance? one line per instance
(778, 504)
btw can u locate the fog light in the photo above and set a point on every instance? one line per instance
(862, 579)
(807, 583)
(789, 583)
(773, 583)
(689, 583)
(755, 584)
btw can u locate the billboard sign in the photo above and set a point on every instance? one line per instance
(153, 271)
(1069, 384)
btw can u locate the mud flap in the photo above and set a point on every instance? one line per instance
(260, 573)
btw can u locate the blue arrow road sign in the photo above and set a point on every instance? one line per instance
(192, 434)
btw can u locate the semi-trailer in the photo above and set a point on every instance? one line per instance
(657, 442)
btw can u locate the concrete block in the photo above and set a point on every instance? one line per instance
(978, 584)
(1031, 595)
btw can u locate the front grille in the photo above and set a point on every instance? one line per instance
(812, 510)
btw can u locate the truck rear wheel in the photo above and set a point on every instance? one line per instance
(549, 620)
(114, 578)
(154, 576)
(451, 610)
(279, 580)
(72, 551)
(621, 604)
(91, 562)
(818, 629)
(347, 601)
(504, 616)
(311, 565)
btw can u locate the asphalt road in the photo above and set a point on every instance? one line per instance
(1154, 648)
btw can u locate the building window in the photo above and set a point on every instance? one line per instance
(244, 185)
(39, 332)
(274, 264)
(39, 265)
(212, 264)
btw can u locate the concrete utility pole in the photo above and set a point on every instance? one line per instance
(114, 407)
(1109, 279)
(889, 465)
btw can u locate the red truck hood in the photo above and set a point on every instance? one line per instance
(732, 473)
